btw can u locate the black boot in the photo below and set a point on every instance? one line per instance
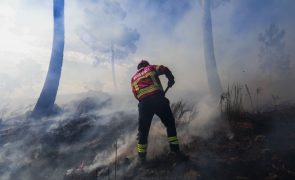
(174, 148)
(141, 158)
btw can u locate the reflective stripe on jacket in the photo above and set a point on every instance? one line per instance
(146, 82)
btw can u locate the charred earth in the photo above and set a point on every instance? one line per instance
(89, 146)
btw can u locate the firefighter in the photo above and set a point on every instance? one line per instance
(147, 89)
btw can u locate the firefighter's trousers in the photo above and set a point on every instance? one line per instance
(156, 104)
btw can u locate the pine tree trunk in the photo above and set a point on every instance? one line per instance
(211, 68)
(45, 103)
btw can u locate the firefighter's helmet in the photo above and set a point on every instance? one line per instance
(142, 63)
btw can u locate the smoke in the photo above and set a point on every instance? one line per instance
(164, 32)
(272, 51)
(167, 12)
(202, 120)
(52, 145)
(122, 151)
(22, 81)
(123, 39)
(8, 83)
(207, 119)
(193, 119)
(125, 149)
(125, 43)
(114, 8)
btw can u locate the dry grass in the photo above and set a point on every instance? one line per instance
(183, 113)
(231, 102)
(239, 99)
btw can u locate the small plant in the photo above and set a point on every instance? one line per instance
(183, 114)
(231, 102)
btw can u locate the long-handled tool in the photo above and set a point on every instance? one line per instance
(167, 88)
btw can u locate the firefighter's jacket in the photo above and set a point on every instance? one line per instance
(145, 82)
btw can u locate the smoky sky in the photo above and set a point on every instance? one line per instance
(126, 43)
(123, 40)
(114, 8)
(251, 13)
(163, 31)
(169, 11)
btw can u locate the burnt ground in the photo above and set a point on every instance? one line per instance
(263, 147)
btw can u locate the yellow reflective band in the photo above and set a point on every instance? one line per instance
(156, 83)
(152, 73)
(141, 148)
(136, 87)
(141, 145)
(153, 87)
(173, 138)
(147, 90)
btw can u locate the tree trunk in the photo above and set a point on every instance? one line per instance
(45, 103)
(113, 66)
(211, 68)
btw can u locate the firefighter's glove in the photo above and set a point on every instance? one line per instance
(171, 82)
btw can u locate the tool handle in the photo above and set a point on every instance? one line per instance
(167, 88)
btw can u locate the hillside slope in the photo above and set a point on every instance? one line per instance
(263, 147)
(99, 145)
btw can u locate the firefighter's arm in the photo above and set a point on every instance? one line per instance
(160, 69)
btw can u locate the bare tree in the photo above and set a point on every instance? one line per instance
(210, 61)
(45, 103)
